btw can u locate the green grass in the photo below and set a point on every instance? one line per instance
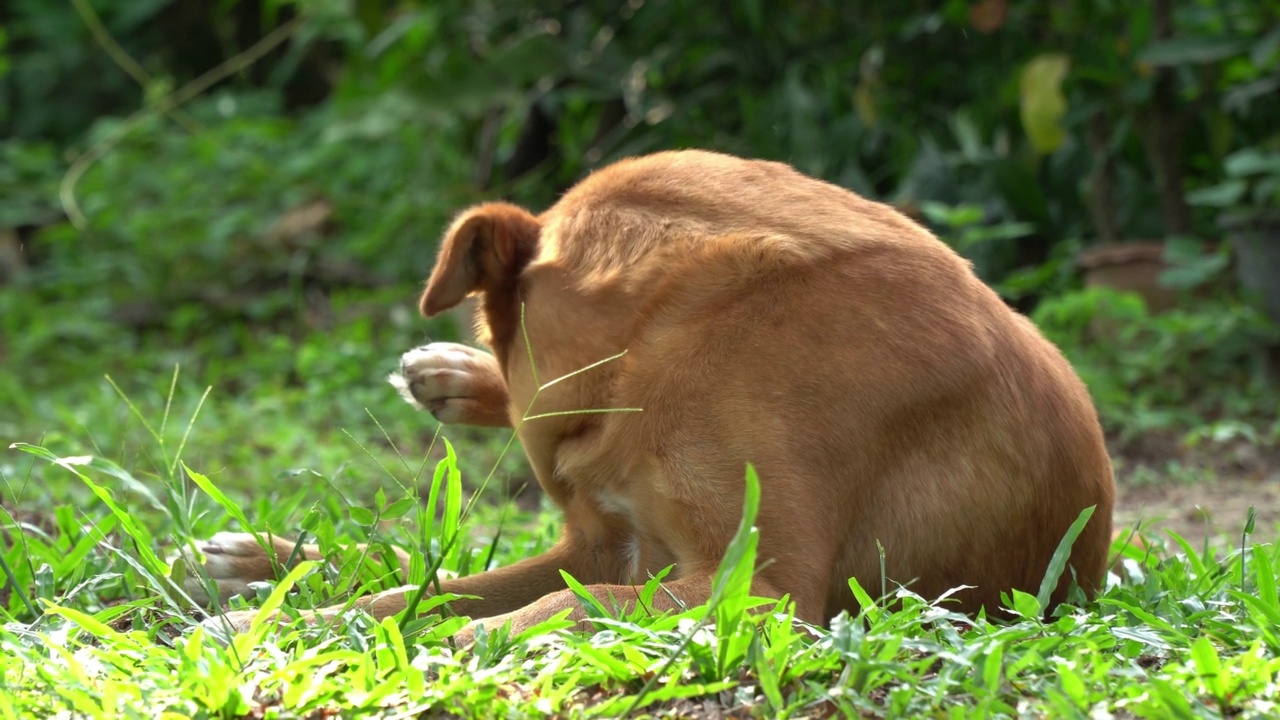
(96, 625)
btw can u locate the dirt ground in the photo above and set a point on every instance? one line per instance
(1198, 492)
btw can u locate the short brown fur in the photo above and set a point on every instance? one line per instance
(883, 392)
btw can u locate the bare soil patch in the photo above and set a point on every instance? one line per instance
(1199, 493)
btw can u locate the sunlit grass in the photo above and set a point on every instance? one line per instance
(96, 623)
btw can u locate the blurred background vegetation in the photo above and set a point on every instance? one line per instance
(253, 189)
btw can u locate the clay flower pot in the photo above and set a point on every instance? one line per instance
(1133, 267)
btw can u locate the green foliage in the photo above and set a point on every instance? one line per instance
(987, 244)
(1170, 371)
(188, 222)
(193, 239)
(1253, 180)
(1191, 267)
(27, 173)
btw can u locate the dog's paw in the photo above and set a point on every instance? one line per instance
(465, 638)
(233, 561)
(224, 626)
(455, 383)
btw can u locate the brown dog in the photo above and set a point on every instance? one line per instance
(882, 391)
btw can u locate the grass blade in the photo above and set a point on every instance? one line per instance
(1264, 579)
(1059, 560)
(869, 607)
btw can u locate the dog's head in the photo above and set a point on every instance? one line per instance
(484, 251)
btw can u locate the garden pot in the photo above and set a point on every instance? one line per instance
(1255, 239)
(1131, 267)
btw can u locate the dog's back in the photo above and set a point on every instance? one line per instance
(883, 392)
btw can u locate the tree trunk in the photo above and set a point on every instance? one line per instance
(1102, 181)
(1162, 127)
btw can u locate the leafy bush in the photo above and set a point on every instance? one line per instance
(1173, 370)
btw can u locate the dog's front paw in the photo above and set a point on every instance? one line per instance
(233, 561)
(225, 626)
(455, 383)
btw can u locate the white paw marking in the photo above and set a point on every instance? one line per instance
(222, 627)
(231, 543)
(432, 375)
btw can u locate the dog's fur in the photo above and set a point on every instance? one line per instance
(883, 392)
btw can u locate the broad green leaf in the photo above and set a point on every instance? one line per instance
(1208, 666)
(559, 621)
(1072, 684)
(232, 508)
(767, 674)
(1142, 614)
(1190, 265)
(865, 602)
(1264, 578)
(663, 693)
(603, 660)
(1223, 194)
(437, 631)
(361, 515)
(731, 586)
(1026, 604)
(991, 668)
(273, 603)
(90, 540)
(1042, 102)
(1251, 161)
(391, 632)
(1193, 558)
(1192, 49)
(732, 583)
(140, 535)
(452, 497)
(590, 603)
(428, 514)
(1060, 556)
(651, 588)
(399, 508)
(94, 626)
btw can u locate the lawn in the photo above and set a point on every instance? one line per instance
(112, 474)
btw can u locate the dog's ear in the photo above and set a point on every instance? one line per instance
(484, 250)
